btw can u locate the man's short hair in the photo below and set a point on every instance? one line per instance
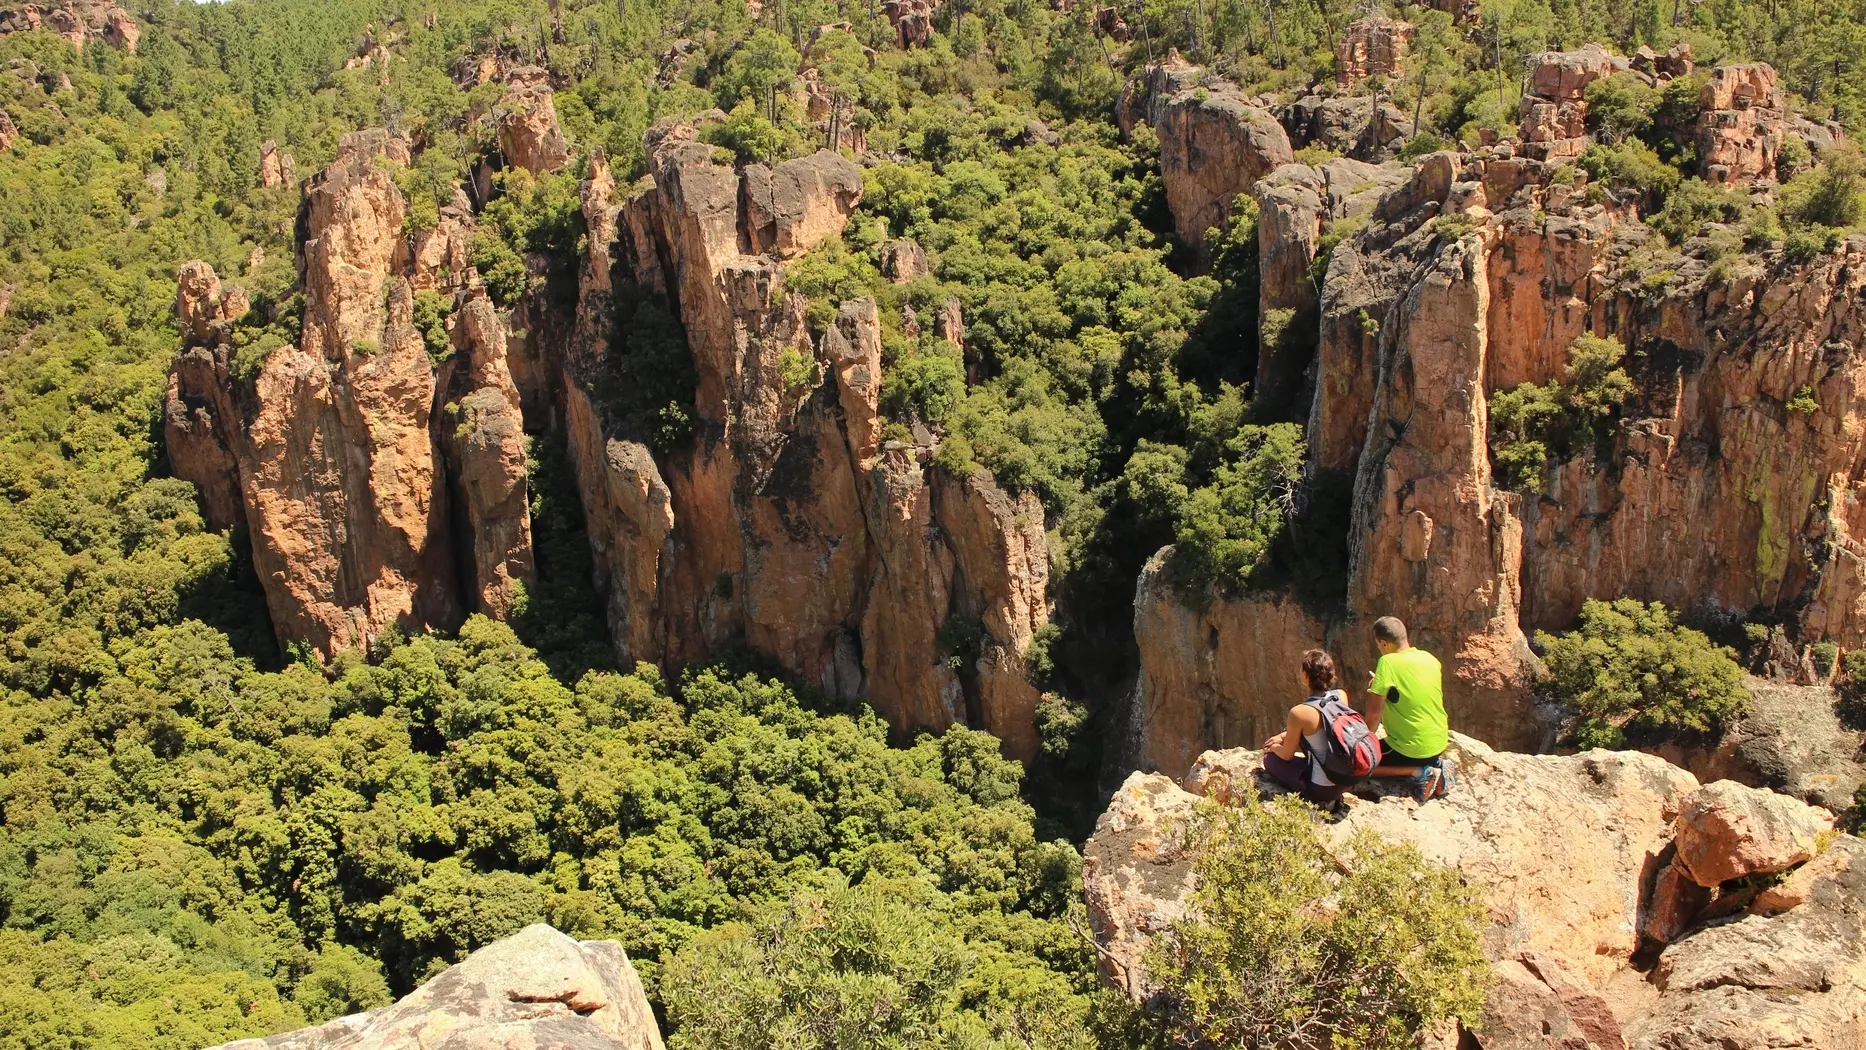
(1390, 630)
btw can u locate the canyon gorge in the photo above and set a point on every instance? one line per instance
(385, 483)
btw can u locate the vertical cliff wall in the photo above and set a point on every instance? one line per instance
(1476, 275)
(349, 453)
(787, 524)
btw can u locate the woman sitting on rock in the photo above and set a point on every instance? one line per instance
(1305, 733)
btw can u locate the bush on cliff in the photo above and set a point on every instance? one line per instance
(1533, 425)
(1634, 676)
(1225, 529)
(1292, 943)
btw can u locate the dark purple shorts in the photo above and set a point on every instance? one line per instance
(1293, 773)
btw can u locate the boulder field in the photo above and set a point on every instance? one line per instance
(1623, 900)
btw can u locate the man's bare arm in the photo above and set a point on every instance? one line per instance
(1376, 707)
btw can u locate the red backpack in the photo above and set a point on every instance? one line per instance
(1350, 751)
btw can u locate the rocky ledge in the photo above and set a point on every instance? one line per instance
(1626, 902)
(537, 989)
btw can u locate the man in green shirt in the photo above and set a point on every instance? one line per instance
(1408, 698)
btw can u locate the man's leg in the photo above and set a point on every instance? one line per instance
(1394, 764)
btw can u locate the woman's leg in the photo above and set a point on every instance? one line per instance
(1292, 773)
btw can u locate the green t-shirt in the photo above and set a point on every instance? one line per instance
(1415, 718)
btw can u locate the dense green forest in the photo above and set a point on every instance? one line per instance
(201, 838)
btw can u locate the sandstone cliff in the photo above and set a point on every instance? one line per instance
(787, 524)
(536, 988)
(1214, 143)
(337, 451)
(1593, 938)
(1476, 275)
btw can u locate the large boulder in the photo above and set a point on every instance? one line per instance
(1214, 143)
(1727, 831)
(534, 990)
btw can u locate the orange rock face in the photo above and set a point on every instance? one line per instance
(1372, 47)
(789, 524)
(1553, 112)
(339, 447)
(528, 132)
(1214, 144)
(1713, 496)
(1741, 124)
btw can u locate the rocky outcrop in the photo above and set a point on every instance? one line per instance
(528, 132)
(1372, 47)
(341, 445)
(77, 21)
(1714, 497)
(276, 168)
(1296, 205)
(1357, 126)
(534, 989)
(1553, 112)
(1430, 533)
(789, 524)
(8, 131)
(1741, 124)
(1214, 143)
(912, 19)
(1568, 857)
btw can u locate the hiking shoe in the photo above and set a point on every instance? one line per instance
(1429, 782)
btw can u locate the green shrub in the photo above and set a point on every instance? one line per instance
(1227, 527)
(888, 963)
(1694, 203)
(748, 135)
(1824, 655)
(1634, 676)
(431, 311)
(1532, 425)
(1804, 402)
(1830, 195)
(1419, 145)
(1630, 165)
(1261, 963)
(1620, 106)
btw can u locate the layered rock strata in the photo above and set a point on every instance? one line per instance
(1570, 859)
(347, 453)
(534, 989)
(789, 523)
